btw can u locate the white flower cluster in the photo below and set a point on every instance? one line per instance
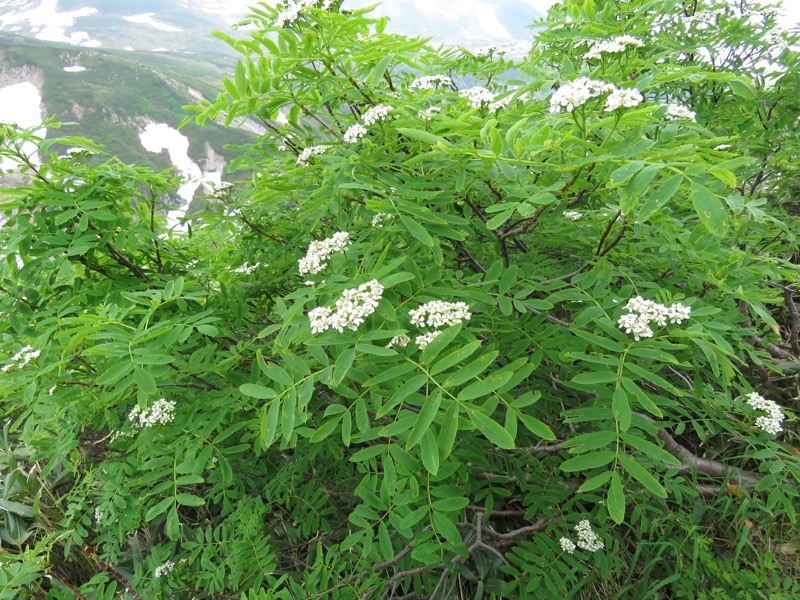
(223, 190)
(427, 113)
(98, 514)
(623, 98)
(247, 268)
(379, 219)
(429, 81)
(676, 111)
(307, 153)
(501, 103)
(440, 313)
(399, 340)
(319, 251)
(572, 215)
(612, 46)
(161, 413)
(21, 358)
(354, 133)
(164, 569)
(116, 434)
(477, 96)
(703, 19)
(771, 422)
(567, 545)
(587, 538)
(294, 7)
(577, 93)
(643, 312)
(376, 114)
(426, 338)
(355, 305)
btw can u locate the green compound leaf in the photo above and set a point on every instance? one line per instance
(615, 499)
(640, 474)
(710, 210)
(493, 431)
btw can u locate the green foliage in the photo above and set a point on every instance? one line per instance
(198, 424)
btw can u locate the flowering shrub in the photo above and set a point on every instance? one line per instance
(593, 250)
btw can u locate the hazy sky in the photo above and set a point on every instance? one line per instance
(791, 8)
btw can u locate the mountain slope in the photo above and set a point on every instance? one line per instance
(112, 97)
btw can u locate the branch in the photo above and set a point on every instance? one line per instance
(390, 585)
(258, 229)
(702, 465)
(504, 539)
(122, 259)
(113, 572)
(794, 332)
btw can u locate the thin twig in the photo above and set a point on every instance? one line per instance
(259, 230)
(794, 317)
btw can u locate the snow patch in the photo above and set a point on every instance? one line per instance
(158, 137)
(160, 50)
(20, 104)
(128, 48)
(47, 23)
(147, 19)
(74, 69)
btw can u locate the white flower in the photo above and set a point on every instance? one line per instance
(771, 422)
(676, 111)
(477, 96)
(567, 545)
(678, 313)
(498, 104)
(354, 133)
(116, 434)
(427, 114)
(223, 190)
(613, 45)
(51, 390)
(399, 340)
(577, 93)
(572, 215)
(426, 338)
(619, 98)
(633, 323)
(161, 413)
(319, 251)
(352, 309)
(98, 514)
(440, 313)
(164, 569)
(21, 358)
(587, 538)
(293, 8)
(427, 82)
(379, 219)
(642, 312)
(320, 319)
(307, 153)
(247, 268)
(376, 114)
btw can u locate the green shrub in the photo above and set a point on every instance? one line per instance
(441, 338)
